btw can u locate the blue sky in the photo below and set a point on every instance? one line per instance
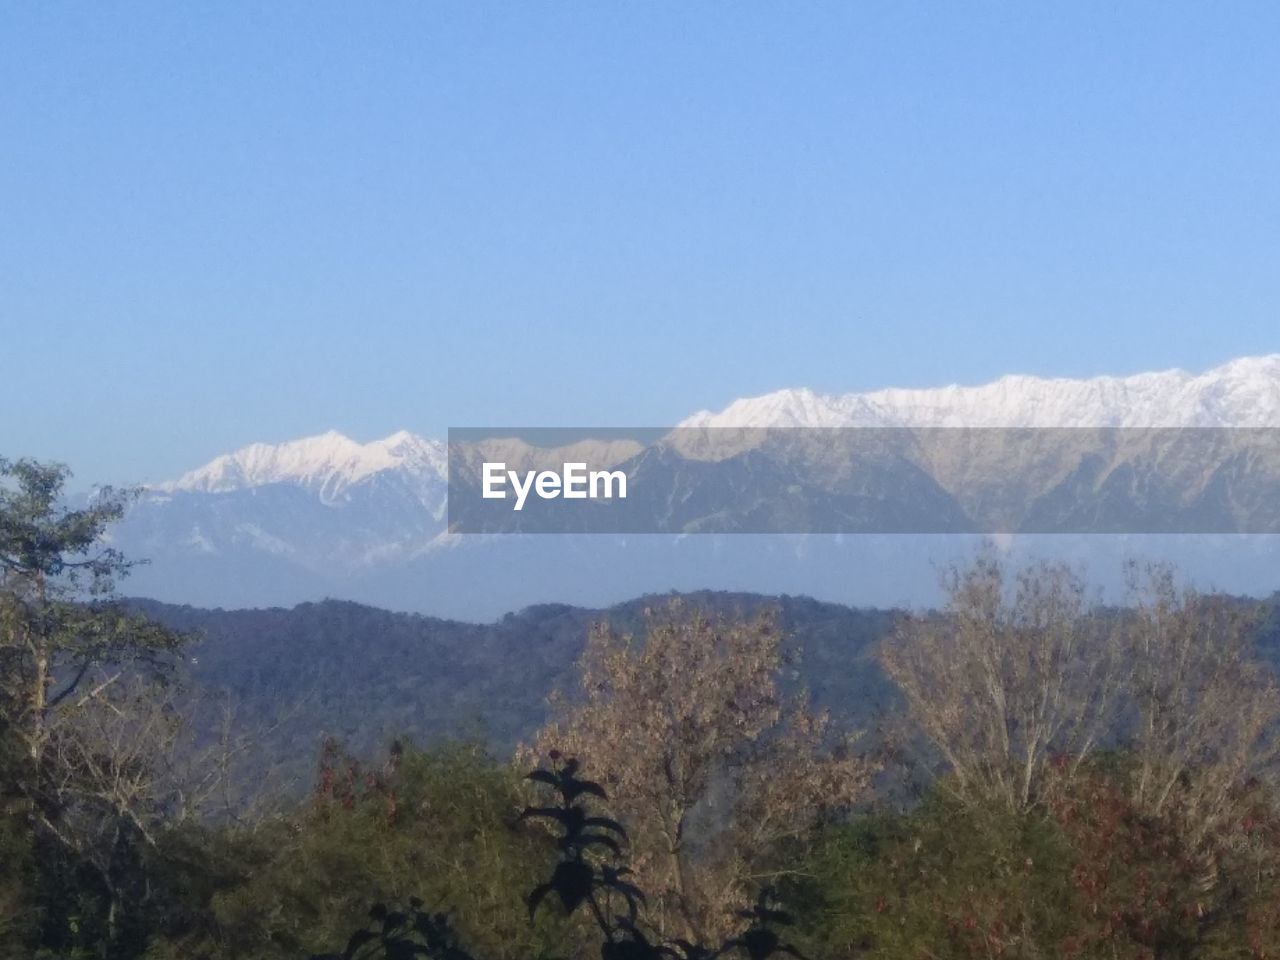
(252, 222)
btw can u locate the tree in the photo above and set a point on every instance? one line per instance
(1008, 686)
(713, 767)
(1028, 693)
(70, 664)
(56, 631)
(1015, 689)
(1203, 710)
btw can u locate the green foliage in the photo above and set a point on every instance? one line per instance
(942, 880)
(588, 878)
(1093, 876)
(440, 823)
(73, 812)
(17, 850)
(42, 540)
(55, 570)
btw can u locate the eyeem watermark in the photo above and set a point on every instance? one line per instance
(864, 480)
(573, 482)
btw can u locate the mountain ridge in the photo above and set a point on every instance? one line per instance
(1244, 392)
(328, 515)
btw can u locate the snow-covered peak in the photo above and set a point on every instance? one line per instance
(1242, 393)
(327, 463)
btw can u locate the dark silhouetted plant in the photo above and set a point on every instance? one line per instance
(760, 940)
(581, 878)
(403, 935)
(588, 875)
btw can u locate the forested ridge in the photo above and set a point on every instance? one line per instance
(366, 675)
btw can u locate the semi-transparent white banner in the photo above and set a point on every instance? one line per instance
(864, 480)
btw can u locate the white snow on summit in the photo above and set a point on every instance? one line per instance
(328, 464)
(1242, 393)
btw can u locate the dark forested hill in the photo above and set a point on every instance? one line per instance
(364, 674)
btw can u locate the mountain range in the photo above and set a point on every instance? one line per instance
(1242, 393)
(328, 516)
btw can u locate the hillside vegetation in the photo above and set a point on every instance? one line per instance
(1020, 774)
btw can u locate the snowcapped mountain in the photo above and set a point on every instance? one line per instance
(329, 465)
(272, 523)
(1242, 393)
(332, 516)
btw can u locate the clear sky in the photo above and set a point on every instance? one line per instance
(227, 222)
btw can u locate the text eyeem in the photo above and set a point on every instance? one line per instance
(574, 482)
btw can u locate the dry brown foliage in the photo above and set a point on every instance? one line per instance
(1205, 711)
(1020, 680)
(709, 764)
(1006, 685)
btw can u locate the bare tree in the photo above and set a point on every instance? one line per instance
(1015, 686)
(1205, 711)
(710, 765)
(126, 766)
(1010, 683)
